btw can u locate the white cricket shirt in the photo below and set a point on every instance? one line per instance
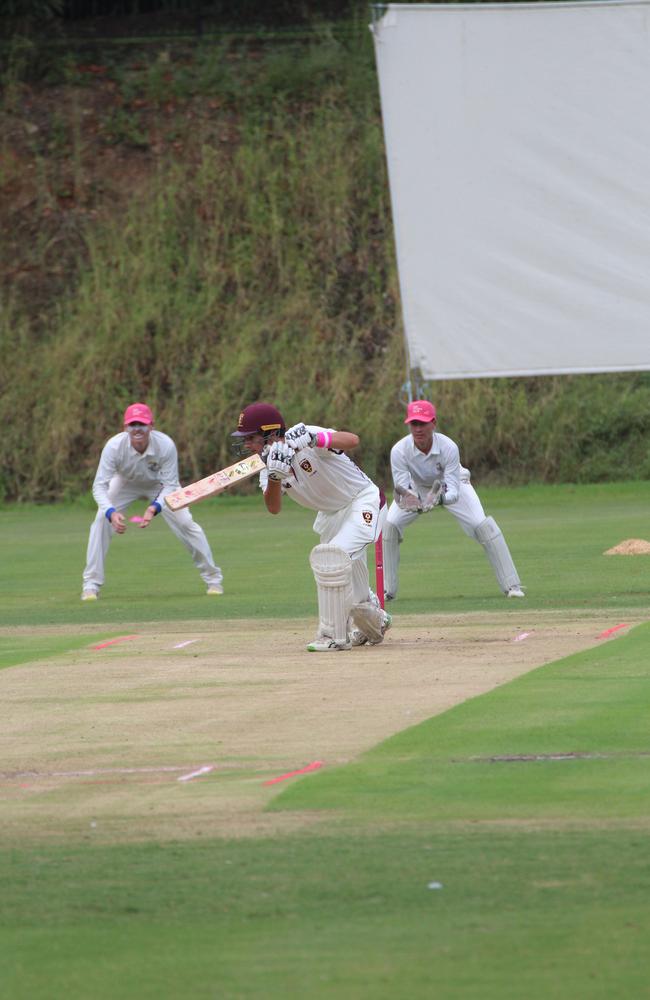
(413, 469)
(322, 479)
(158, 466)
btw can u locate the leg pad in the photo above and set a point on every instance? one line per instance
(489, 534)
(332, 569)
(392, 542)
(370, 621)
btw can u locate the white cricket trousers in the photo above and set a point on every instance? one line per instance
(121, 495)
(353, 529)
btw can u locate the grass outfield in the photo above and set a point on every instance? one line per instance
(535, 914)
(557, 535)
(435, 870)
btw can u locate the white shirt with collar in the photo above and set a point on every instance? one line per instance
(416, 470)
(321, 478)
(155, 470)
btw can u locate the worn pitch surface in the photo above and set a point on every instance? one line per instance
(104, 744)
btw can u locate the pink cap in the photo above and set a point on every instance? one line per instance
(421, 410)
(138, 413)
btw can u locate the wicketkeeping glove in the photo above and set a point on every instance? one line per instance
(278, 461)
(408, 500)
(433, 497)
(298, 437)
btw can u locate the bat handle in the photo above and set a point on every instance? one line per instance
(379, 568)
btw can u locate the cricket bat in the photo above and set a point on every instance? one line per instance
(216, 483)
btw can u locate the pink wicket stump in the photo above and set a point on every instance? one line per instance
(379, 568)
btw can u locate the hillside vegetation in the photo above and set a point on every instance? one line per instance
(202, 223)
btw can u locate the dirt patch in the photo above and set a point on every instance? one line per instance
(630, 547)
(95, 744)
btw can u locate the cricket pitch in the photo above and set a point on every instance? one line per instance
(173, 733)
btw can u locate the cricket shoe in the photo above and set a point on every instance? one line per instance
(325, 644)
(89, 595)
(515, 592)
(214, 588)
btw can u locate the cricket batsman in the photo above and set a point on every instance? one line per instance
(309, 465)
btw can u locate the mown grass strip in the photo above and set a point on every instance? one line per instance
(594, 704)
(16, 649)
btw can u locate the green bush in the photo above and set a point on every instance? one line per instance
(262, 267)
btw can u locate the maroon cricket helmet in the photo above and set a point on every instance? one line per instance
(259, 418)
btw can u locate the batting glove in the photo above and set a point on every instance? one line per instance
(278, 461)
(298, 437)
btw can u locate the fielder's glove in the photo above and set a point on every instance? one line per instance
(278, 461)
(433, 497)
(298, 437)
(408, 500)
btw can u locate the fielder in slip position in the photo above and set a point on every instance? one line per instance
(140, 463)
(427, 473)
(309, 465)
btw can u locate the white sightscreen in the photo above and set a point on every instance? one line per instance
(518, 148)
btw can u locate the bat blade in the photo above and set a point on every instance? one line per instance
(214, 484)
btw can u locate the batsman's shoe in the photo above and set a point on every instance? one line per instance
(323, 644)
(515, 592)
(89, 595)
(214, 588)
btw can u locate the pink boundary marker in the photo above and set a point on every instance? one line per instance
(521, 636)
(314, 766)
(111, 642)
(610, 631)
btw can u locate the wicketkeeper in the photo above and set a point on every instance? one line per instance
(309, 464)
(427, 474)
(140, 462)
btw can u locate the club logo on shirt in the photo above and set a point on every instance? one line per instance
(307, 466)
(367, 516)
(153, 465)
(439, 468)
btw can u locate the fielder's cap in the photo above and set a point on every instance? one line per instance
(259, 418)
(421, 410)
(138, 413)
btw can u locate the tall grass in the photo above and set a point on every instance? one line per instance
(259, 263)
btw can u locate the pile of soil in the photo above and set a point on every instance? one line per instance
(630, 547)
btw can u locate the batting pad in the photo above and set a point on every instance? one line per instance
(360, 579)
(391, 541)
(332, 569)
(489, 534)
(369, 620)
